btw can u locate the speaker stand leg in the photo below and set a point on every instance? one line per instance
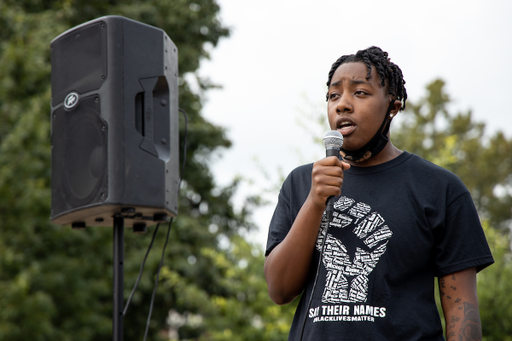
(117, 320)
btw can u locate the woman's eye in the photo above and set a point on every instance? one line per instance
(333, 95)
(359, 92)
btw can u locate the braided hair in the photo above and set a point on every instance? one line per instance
(386, 70)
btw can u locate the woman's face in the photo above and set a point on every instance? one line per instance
(356, 106)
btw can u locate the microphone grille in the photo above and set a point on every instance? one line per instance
(333, 139)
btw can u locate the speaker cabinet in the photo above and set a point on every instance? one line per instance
(115, 124)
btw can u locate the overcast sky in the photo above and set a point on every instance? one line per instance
(274, 66)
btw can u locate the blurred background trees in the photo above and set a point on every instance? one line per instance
(55, 283)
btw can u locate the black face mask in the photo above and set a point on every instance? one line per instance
(375, 145)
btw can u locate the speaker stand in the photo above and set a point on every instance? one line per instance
(117, 318)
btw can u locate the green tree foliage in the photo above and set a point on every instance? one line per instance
(494, 286)
(484, 163)
(55, 283)
(244, 312)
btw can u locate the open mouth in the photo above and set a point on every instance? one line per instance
(346, 127)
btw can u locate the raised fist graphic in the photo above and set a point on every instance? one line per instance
(348, 270)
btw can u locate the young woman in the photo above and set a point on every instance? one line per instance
(398, 222)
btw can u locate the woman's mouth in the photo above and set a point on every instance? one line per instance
(346, 127)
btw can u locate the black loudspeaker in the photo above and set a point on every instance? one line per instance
(115, 124)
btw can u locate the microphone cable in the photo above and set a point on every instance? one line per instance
(316, 279)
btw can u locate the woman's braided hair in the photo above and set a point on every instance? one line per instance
(385, 69)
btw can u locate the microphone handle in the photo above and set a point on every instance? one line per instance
(330, 201)
(332, 152)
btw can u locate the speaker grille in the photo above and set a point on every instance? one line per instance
(79, 61)
(80, 164)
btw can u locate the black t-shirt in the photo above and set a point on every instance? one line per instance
(394, 228)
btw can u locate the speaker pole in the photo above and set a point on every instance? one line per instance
(117, 321)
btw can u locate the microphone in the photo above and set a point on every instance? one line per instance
(333, 141)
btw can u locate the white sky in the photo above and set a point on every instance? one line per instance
(274, 67)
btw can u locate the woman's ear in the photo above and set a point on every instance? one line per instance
(395, 109)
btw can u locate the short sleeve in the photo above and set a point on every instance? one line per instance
(281, 222)
(460, 241)
(292, 195)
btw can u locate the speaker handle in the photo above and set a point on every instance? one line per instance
(148, 84)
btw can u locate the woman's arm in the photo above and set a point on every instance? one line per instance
(460, 305)
(287, 266)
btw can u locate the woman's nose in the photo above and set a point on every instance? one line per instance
(344, 105)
